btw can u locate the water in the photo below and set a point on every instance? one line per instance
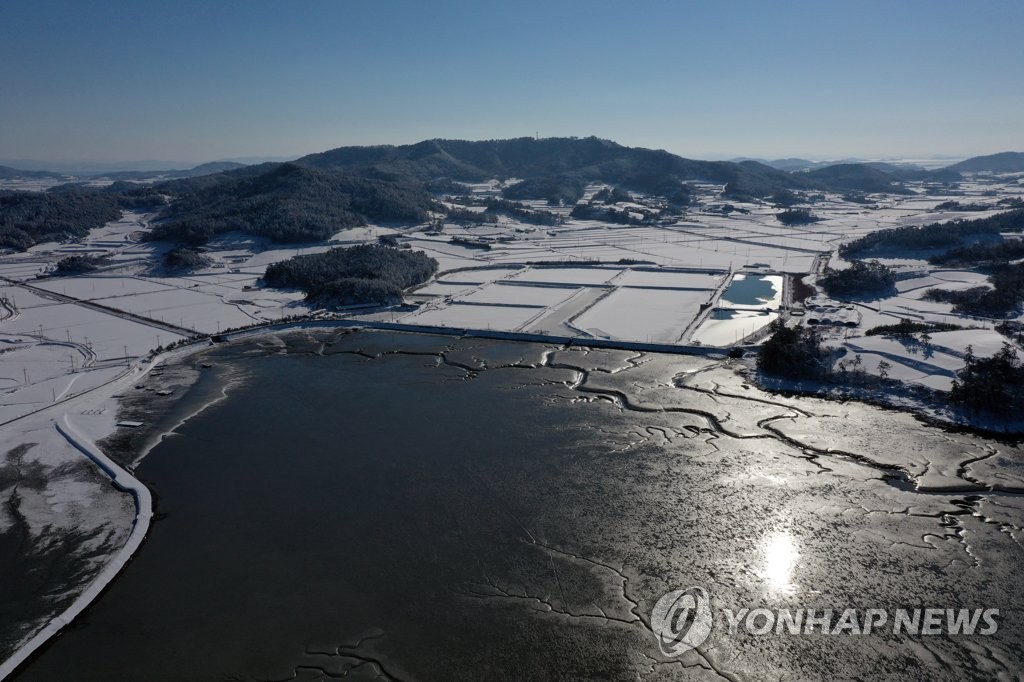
(415, 516)
(751, 290)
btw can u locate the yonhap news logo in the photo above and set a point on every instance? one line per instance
(682, 620)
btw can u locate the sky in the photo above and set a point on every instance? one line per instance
(191, 81)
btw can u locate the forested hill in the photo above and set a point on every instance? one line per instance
(201, 169)
(66, 211)
(313, 197)
(6, 173)
(587, 159)
(858, 177)
(1004, 162)
(287, 203)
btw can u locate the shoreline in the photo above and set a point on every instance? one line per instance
(929, 413)
(120, 477)
(122, 480)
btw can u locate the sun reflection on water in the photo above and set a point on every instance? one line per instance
(780, 559)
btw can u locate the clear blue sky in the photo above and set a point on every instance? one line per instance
(194, 81)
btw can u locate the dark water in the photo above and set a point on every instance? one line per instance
(334, 498)
(733, 313)
(354, 512)
(751, 290)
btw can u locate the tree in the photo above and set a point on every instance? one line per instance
(994, 385)
(860, 278)
(796, 216)
(793, 353)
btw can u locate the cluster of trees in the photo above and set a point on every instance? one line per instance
(935, 235)
(612, 195)
(793, 353)
(522, 213)
(796, 216)
(994, 385)
(981, 254)
(1012, 329)
(785, 198)
(954, 205)
(558, 190)
(494, 206)
(857, 198)
(908, 327)
(368, 273)
(861, 277)
(186, 259)
(27, 218)
(77, 265)
(464, 216)
(608, 214)
(289, 204)
(1005, 296)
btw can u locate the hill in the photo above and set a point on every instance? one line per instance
(27, 218)
(857, 177)
(582, 159)
(201, 169)
(1004, 162)
(793, 164)
(8, 173)
(908, 172)
(286, 203)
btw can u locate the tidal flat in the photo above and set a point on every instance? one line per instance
(412, 507)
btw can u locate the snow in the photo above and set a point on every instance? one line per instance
(509, 294)
(669, 279)
(480, 276)
(443, 289)
(469, 316)
(568, 275)
(106, 334)
(648, 315)
(725, 331)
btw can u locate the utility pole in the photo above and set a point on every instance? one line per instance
(126, 355)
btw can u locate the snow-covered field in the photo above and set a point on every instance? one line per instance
(647, 315)
(508, 294)
(470, 316)
(104, 334)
